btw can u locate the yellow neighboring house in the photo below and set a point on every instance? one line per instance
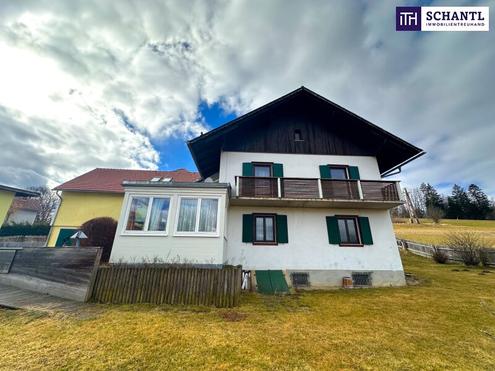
(99, 193)
(7, 195)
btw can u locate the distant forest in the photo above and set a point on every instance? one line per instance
(470, 203)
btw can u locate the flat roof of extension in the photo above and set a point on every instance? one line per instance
(19, 192)
(160, 184)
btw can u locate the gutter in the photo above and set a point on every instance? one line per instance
(399, 167)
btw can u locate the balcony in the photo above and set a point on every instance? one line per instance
(316, 192)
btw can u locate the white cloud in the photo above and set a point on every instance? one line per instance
(77, 68)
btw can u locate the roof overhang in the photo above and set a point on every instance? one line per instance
(19, 192)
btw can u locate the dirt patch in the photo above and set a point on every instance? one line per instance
(411, 279)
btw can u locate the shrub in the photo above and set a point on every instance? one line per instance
(439, 255)
(24, 230)
(468, 245)
(435, 213)
(101, 233)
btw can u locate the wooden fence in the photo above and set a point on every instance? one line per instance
(427, 251)
(127, 284)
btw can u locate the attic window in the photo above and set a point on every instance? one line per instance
(156, 179)
(166, 179)
(298, 136)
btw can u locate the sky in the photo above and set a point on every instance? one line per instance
(124, 84)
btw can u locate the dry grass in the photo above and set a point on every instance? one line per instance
(428, 232)
(447, 321)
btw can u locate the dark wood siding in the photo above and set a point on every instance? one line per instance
(322, 133)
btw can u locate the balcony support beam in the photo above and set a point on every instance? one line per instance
(279, 188)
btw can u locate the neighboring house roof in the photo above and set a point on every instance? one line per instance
(31, 204)
(19, 192)
(343, 133)
(110, 180)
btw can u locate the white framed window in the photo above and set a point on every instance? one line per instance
(147, 215)
(197, 216)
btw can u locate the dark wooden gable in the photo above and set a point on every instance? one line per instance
(322, 132)
(324, 127)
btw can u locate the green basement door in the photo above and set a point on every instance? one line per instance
(271, 282)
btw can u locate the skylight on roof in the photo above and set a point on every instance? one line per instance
(160, 179)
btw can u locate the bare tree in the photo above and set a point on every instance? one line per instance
(418, 201)
(48, 204)
(435, 213)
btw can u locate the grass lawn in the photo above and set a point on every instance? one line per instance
(447, 321)
(428, 232)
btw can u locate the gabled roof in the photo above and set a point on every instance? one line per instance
(110, 180)
(19, 192)
(391, 151)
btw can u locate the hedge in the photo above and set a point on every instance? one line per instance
(24, 230)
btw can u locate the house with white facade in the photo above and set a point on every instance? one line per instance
(296, 186)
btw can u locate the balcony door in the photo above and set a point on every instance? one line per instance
(339, 184)
(264, 183)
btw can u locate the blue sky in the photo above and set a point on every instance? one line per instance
(174, 153)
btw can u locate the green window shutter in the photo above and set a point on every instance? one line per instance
(364, 227)
(333, 230)
(64, 236)
(247, 169)
(282, 230)
(325, 172)
(353, 172)
(247, 228)
(278, 170)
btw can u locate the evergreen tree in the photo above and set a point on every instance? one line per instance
(431, 197)
(479, 205)
(458, 204)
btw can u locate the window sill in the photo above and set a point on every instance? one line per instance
(196, 234)
(144, 233)
(351, 244)
(265, 243)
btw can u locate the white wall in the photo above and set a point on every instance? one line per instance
(308, 246)
(295, 165)
(170, 247)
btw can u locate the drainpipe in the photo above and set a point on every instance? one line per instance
(54, 218)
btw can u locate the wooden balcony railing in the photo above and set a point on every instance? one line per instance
(315, 188)
(379, 190)
(250, 186)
